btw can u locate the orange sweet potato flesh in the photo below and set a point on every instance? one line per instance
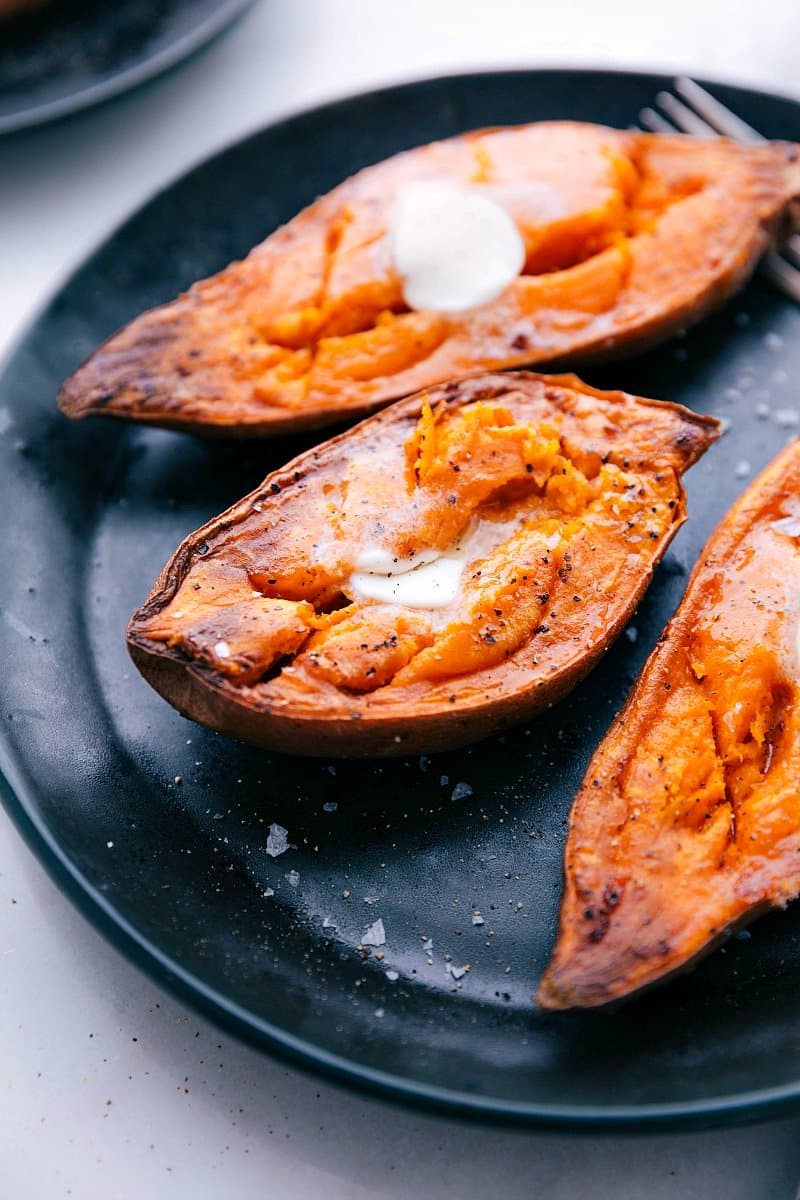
(570, 496)
(629, 237)
(687, 823)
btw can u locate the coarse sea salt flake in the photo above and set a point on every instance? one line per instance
(222, 650)
(277, 840)
(375, 934)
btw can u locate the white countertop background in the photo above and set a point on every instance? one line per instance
(110, 1089)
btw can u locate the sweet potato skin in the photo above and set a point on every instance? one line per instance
(687, 823)
(227, 582)
(629, 237)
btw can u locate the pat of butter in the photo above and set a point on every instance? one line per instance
(430, 579)
(454, 248)
(426, 582)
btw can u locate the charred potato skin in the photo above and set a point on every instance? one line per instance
(358, 728)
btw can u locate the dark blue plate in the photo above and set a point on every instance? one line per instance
(57, 60)
(157, 829)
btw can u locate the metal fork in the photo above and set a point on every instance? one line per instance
(696, 111)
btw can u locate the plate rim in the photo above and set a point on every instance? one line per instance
(184, 47)
(760, 1104)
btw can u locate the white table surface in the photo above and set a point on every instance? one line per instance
(109, 1089)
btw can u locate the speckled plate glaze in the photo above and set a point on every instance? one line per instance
(57, 60)
(158, 829)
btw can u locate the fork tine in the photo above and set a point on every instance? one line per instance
(652, 120)
(683, 116)
(727, 123)
(791, 249)
(782, 274)
(710, 121)
(715, 113)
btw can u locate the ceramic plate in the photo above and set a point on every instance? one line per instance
(158, 829)
(58, 60)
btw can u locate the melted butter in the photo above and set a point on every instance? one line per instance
(454, 248)
(431, 579)
(430, 585)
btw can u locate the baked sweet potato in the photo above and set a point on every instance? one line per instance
(627, 238)
(687, 823)
(435, 574)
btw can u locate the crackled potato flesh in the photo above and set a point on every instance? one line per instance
(688, 821)
(628, 237)
(561, 498)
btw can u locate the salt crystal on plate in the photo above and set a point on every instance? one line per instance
(461, 791)
(375, 935)
(427, 945)
(268, 892)
(632, 633)
(787, 418)
(371, 899)
(277, 840)
(456, 972)
(293, 877)
(330, 806)
(477, 919)
(392, 976)
(328, 923)
(742, 469)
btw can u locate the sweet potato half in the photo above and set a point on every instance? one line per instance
(548, 503)
(687, 823)
(628, 237)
